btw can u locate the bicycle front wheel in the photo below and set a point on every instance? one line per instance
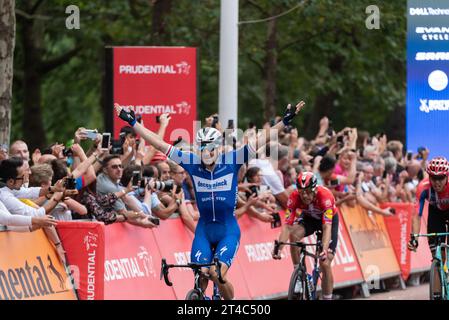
(193, 295)
(435, 283)
(297, 287)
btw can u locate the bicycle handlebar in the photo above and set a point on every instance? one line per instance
(302, 245)
(164, 273)
(415, 235)
(194, 266)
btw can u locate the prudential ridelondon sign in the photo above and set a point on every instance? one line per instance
(428, 76)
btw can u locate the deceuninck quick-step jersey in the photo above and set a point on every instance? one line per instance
(215, 191)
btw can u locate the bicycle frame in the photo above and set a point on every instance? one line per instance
(302, 261)
(439, 257)
(196, 268)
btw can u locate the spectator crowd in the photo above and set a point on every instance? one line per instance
(127, 181)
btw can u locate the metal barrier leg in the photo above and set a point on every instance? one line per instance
(414, 280)
(402, 284)
(365, 291)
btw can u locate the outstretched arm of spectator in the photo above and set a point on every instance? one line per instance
(164, 212)
(322, 132)
(52, 235)
(264, 137)
(75, 206)
(369, 206)
(149, 136)
(164, 119)
(86, 168)
(347, 197)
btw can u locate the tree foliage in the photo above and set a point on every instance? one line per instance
(325, 55)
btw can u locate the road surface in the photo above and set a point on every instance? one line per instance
(420, 292)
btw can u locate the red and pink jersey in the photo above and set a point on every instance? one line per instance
(424, 191)
(322, 207)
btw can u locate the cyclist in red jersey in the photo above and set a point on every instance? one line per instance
(435, 190)
(311, 208)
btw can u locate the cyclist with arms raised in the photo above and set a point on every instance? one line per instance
(434, 189)
(214, 175)
(311, 208)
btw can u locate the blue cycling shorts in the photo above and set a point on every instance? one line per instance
(215, 239)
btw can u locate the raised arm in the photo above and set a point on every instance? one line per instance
(149, 136)
(264, 137)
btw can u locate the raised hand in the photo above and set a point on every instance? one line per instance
(128, 116)
(164, 119)
(80, 134)
(290, 113)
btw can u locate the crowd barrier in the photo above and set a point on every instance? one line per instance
(122, 261)
(30, 269)
(421, 260)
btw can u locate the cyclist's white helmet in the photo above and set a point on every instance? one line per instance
(208, 135)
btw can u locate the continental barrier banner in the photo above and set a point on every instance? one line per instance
(369, 237)
(31, 270)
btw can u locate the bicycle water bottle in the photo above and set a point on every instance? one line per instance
(310, 283)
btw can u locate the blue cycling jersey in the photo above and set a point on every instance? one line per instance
(216, 190)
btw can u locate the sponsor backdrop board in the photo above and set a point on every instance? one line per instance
(30, 269)
(427, 75)
(156, 80)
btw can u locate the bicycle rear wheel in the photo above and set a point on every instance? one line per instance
(297, 281)
(435, 275)
(193, 294)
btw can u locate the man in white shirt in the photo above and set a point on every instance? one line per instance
(9, 220)
(12, 173)
(269, 175)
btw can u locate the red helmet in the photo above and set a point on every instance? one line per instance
(438, 166)
(306, 180)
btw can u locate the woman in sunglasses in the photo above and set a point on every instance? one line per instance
(215, 179)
